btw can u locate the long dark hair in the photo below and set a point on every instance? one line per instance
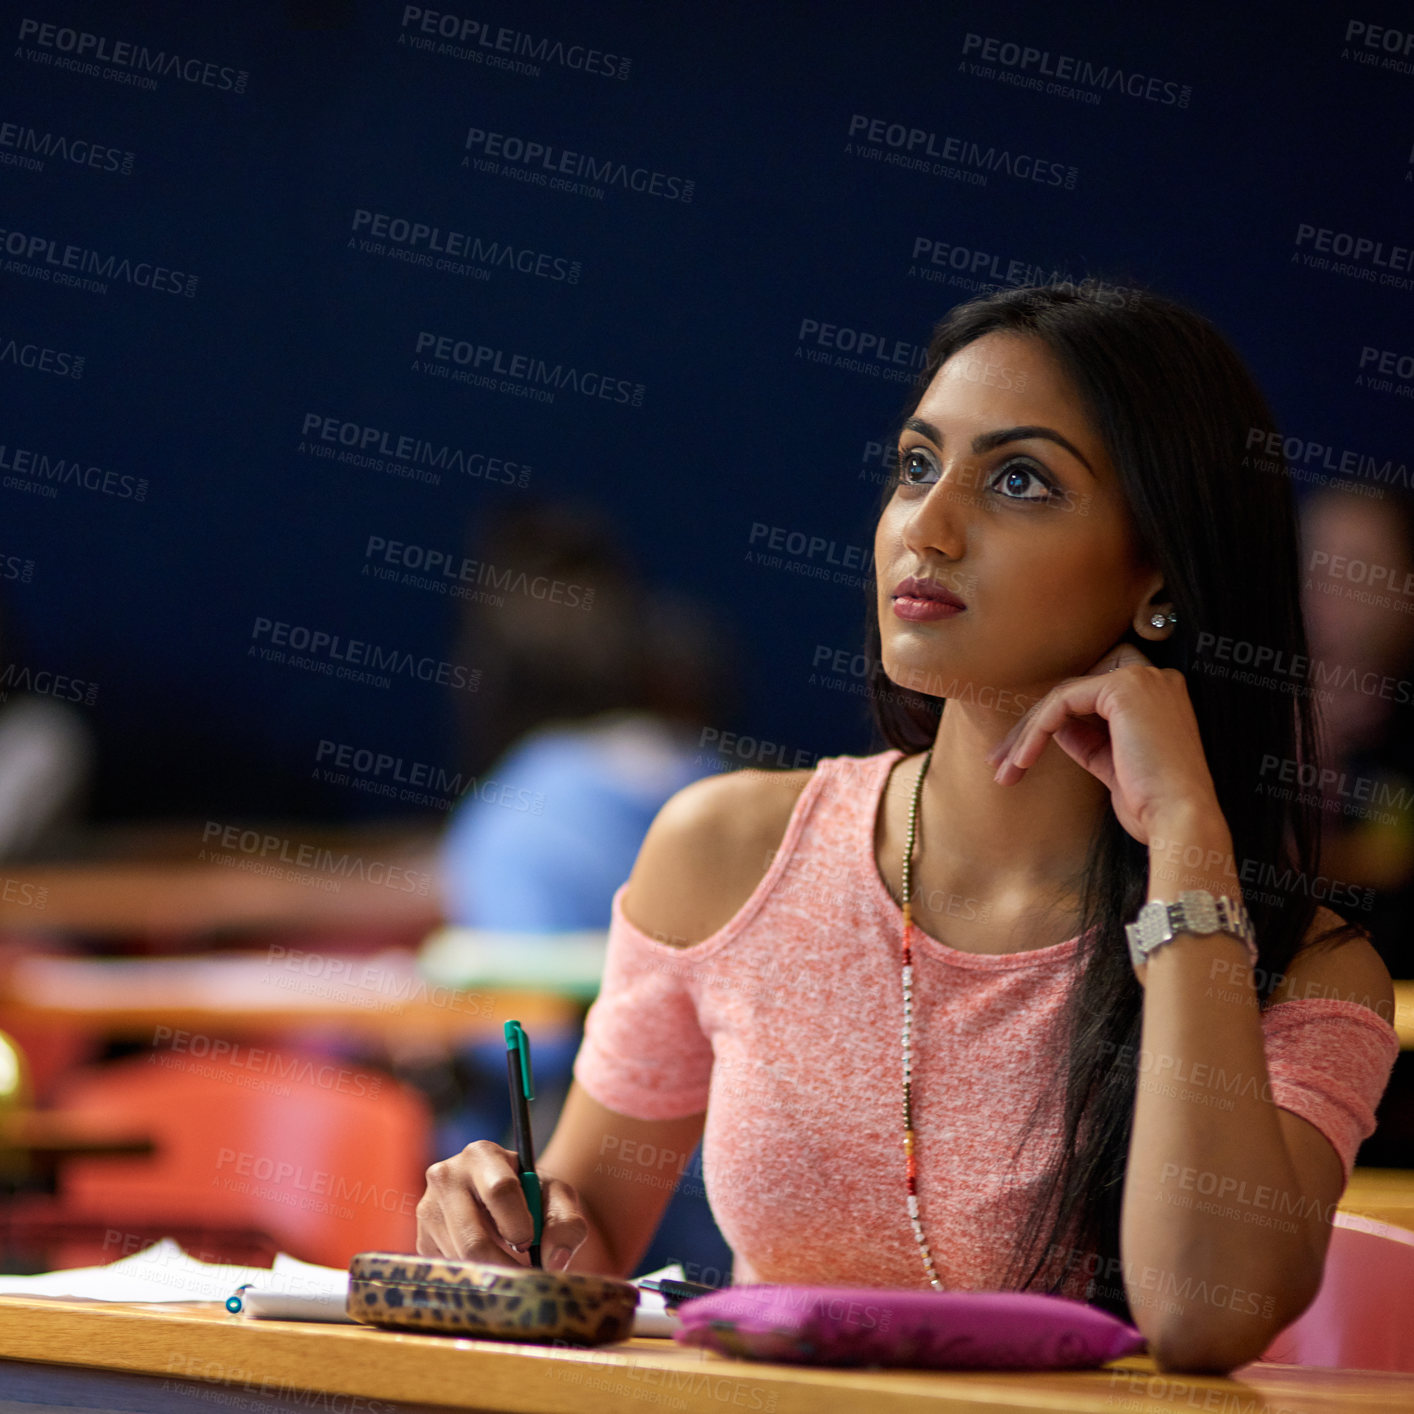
(1187, 430)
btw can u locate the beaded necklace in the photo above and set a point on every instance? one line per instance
(910, 1159)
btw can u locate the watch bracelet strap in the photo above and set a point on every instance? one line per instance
(1194, 911)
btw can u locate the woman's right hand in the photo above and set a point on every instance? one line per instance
(474, 1210)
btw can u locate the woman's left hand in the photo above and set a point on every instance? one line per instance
(1131, 726)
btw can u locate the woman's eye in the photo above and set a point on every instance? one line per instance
(913, 465)
(1012, 481)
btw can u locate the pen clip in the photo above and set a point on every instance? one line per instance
(516, 1041)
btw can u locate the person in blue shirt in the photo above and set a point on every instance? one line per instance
(596, 693)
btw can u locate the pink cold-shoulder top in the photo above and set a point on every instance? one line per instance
(784, 1026)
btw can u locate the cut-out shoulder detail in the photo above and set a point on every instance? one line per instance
(1347, 969)
(707, 850)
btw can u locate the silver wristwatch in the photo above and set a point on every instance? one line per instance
(1196, 911)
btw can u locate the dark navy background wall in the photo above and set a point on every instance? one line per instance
(764, 209)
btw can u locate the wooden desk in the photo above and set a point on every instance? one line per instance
(196, 1355)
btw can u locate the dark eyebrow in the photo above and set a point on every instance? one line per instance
(989, 441)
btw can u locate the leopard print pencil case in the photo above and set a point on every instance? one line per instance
(438, 1295)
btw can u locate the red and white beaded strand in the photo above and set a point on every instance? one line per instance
(910, 1156)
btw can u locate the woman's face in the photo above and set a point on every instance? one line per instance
(1006, 497)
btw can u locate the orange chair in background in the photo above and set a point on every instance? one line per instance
(326, 1158)
(1363, 1315)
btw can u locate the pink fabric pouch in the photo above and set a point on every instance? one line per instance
(952, 1330)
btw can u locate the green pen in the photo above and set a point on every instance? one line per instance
(523, 1091)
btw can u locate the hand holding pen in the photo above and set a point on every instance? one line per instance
(522, 1092)
(479, 1207)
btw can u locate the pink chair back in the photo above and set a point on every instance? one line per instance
(1363, 1315)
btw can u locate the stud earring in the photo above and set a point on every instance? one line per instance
(1158, 620)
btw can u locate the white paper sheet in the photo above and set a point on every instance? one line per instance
(163, 1272)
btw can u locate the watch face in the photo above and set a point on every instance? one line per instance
(1153, 925)
(1200, 911)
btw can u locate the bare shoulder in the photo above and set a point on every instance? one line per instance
(706, 851)
(1338, 961)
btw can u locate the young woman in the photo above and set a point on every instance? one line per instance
(1085, 539)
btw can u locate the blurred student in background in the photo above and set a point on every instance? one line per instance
(1358, 600)
(596, 690)
(46, 750)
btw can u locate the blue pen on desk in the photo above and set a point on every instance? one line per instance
(522, 1092)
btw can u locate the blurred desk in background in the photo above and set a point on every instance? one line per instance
(185, 879)
(565, 964)
(377, 996)
(49, 1136)
(1404, 1013)
(1387, 1195)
